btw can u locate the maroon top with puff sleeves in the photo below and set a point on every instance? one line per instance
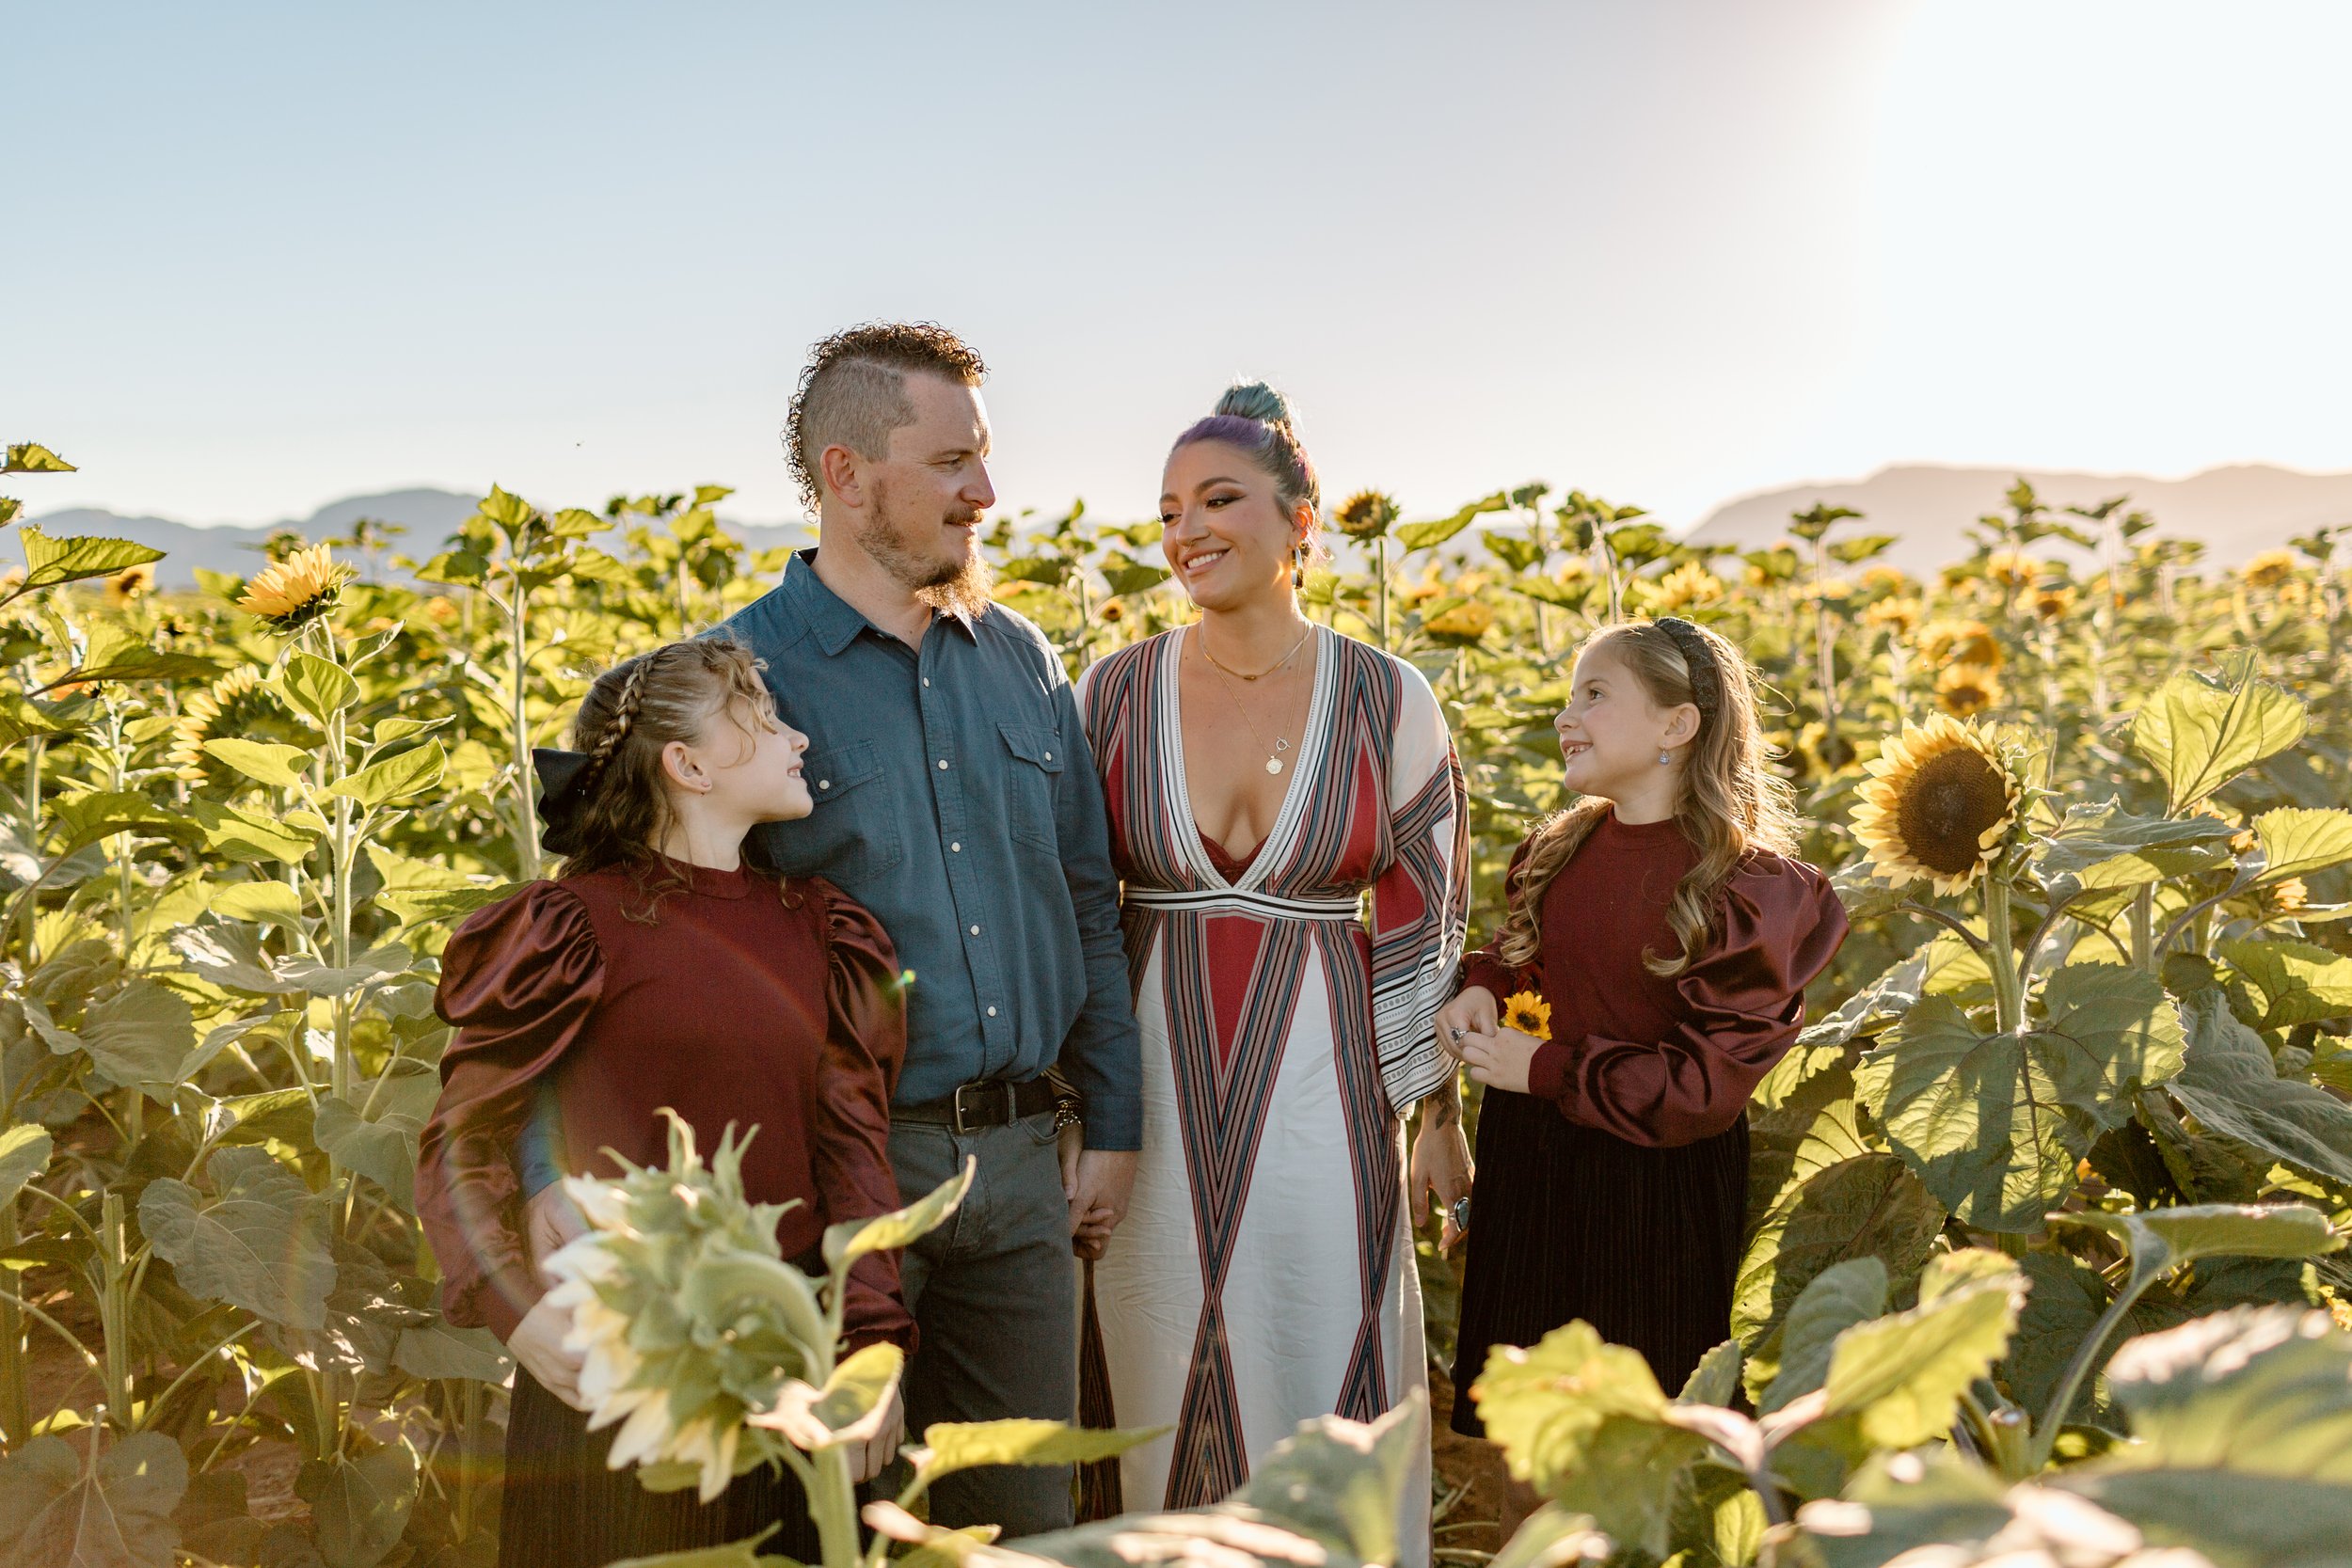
(1665, 1061)
(742, 1001)
(1613, 1191)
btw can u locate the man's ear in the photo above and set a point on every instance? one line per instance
(842, 472)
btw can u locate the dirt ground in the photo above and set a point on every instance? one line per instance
(1467, 1530)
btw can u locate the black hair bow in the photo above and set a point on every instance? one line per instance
(564, 781)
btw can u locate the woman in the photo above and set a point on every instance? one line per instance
(659, 970)
(1262, 774)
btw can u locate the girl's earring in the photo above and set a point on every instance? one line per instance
(1665, 759)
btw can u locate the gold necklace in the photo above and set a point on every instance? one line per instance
(1268, 670)
(1281, 743)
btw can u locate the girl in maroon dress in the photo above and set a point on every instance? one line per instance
(656, 971)
(1663, 920)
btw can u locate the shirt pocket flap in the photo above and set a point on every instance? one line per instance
(1033, 743)
(837, 769)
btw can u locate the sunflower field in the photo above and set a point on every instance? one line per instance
(2045, 1207)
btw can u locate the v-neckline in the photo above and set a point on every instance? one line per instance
(1196, 851)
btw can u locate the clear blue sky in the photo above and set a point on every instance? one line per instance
(1670, 250)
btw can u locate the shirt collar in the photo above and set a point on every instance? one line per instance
(832, 618)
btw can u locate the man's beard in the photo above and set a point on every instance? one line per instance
(959, 587)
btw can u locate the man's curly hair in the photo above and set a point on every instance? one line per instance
(853, 391)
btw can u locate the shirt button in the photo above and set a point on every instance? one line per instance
(926, 680)
(975, 930)
(957, 847)
(991, 1012)
(942, 765)
(1049, 756)
(824, 783)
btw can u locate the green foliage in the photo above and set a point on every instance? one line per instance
(228, 856)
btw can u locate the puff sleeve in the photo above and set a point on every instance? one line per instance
(1739, 1008)
(518, 981)
(866, 1040)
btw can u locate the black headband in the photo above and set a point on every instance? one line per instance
(1707, 681)
(563, 795)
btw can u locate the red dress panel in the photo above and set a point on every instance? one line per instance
(733, 999)
(1662, 1062)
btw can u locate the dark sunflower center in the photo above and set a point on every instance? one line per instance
(1949, 802)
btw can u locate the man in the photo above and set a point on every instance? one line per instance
(956, 797)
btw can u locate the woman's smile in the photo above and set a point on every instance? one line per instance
(1199, 561)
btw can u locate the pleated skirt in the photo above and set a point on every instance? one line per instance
(560, 1508)
(1568, 1223)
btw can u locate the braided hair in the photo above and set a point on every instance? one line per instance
(1731, 805)
(631, 713)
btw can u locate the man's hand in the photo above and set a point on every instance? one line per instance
(1469, 1015)
(874, 1456)
(537, 1344)
(1500, 1060)
(1441, 1169)
(1098, 1184)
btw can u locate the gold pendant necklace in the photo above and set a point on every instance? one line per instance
(1281, 743)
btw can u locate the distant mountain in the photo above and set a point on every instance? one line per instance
(429, 516)
(2237, 511)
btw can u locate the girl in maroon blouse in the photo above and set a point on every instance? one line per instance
(656, 971)
(1663, 920)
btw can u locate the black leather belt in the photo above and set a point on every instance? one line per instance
(989, 1103)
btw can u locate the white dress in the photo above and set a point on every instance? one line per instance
(1264, 1272)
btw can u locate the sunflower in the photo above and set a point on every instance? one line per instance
(2011, 568)
(1959, 643)
(1899, 615)
(1465, 623)
(132, 582)
(291, 594)
(2289, 895)
(1365, 515)
(1965, 690)
(2052, 603)
(1883, 580)
(2268, 569)
(1114, 611)
(1529, 1013)
(1687, 585)
(1831, 590)
(237, 707)
(1939, 806)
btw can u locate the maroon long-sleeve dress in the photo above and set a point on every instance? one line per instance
(1614, 1191)
(734, 998)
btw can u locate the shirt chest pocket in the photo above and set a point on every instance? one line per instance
(1031, 774)
(852, 833)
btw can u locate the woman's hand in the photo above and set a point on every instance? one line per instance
(1500, 1059)
(1471, 1014)
(537, 1344)
(1441, 1169)
(874, 1456)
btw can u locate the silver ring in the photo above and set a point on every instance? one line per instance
(1456, 1031)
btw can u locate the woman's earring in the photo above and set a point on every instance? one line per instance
(1299, 576)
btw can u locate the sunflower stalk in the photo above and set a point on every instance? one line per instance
(2001, 954)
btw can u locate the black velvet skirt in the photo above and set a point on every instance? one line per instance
(1569, 1222)
(560, 1508)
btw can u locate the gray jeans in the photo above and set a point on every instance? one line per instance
(994, 1296)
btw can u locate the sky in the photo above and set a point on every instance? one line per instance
(1667, 251)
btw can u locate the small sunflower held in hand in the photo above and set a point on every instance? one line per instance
(1529, 1013)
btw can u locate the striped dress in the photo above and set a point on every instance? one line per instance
(1264, 1272)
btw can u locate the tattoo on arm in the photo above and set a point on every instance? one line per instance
(1441, 1107)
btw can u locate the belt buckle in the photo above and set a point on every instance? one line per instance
(957, 1101)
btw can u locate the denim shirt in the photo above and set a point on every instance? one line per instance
(957, 799)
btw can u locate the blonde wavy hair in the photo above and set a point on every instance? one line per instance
(1732, 804)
